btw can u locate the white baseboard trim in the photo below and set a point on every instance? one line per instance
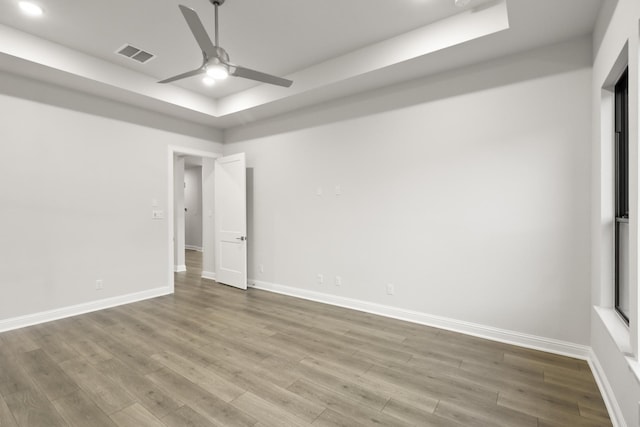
(615, 413)
(74, 310)
(193, 248)
(509, 337)
(180, 268)
(209, 275)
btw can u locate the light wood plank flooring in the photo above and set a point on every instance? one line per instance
(211, 355)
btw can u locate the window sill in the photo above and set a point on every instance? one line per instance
(619, 332)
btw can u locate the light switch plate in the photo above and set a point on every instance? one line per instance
(157, 214)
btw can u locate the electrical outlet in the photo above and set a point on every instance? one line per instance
(390, 289)
(99, 285)
(320, 279)
(338, 281)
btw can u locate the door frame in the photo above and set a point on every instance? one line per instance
(174, 150)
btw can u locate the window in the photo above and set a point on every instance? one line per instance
(622, 284)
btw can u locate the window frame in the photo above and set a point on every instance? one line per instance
(621, 172)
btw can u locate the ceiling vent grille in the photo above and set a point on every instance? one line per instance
(135, 54)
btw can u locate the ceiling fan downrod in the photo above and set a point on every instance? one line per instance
(215, 4)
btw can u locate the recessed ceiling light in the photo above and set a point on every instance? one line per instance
(208, 81)
(462, 3)
(30, 9)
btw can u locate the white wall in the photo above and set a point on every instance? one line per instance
(468, 191)
(614, 345)
(193, 203)
(78, 178)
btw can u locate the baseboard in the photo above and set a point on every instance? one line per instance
(193, 248)
(615, 413)
(180, 268)
(74, 310)
(495, 334)
(208, 275)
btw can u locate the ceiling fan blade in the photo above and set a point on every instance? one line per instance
(200, 70)
(198, 30)
(259, 76)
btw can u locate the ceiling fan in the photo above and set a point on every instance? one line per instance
(215, 60)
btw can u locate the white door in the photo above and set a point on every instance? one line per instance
(231, 220)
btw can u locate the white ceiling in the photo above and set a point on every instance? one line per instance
(329, 48)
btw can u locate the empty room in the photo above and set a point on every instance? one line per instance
(297, 213)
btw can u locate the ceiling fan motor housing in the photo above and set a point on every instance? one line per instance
(217, 2)
(221, 54)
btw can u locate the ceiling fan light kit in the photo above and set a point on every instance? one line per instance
(217, 71)
(215, 60)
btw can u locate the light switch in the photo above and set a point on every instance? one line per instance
(157, 214)
(154, 203)
(338, 190)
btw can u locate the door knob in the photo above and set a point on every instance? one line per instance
(243, 238)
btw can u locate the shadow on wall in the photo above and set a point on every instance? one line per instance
(46, 93)
(538, 63)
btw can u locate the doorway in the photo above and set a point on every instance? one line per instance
(185, 165)
(224, 225)
(193, 216)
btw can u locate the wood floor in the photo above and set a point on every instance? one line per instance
(215, 356)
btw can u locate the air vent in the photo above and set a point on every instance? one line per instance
(134, 53)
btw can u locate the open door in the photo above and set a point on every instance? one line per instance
(230, 209)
